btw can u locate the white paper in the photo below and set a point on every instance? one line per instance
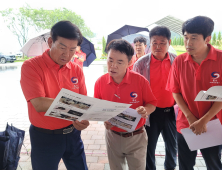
(212, 94)
(71, 106)
(212, 137)
(127, 120)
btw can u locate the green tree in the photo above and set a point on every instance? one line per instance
(174, 41)
(178, 40)
(104, 46)
(219, 39)
(45, 19)
(214, 39)
(181, 41)
(17, 23)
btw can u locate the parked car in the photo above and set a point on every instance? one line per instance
(6, 57)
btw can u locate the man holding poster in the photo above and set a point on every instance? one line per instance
(198, 69)
(125, 86)
(42, 77)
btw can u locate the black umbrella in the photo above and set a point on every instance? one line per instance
(88, 48)
(124, 31)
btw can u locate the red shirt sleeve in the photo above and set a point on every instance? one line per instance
(82, 85)
(148, 96)
(84, 56)
(97, 89)
(173, 83)
(31, 81)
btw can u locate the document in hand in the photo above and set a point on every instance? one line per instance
(72, 106)
(212, 94)
(212, 137)
(127, 120)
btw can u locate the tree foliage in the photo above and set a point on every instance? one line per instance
(219, 39)
(18, 23)
(174, 41)
(214, 39)
(45, 19)
(182, 40)
(104, 46)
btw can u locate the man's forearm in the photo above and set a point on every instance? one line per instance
(41, 104)
(150, 108)
(215, 108)
(182, 105)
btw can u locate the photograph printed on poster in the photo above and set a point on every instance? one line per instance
(115, 122)
(75, 113)
(63, 116)
(74, 103)
(127, 117)
(210, 97)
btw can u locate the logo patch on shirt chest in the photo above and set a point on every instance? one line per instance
(75, 82)
(215, 78)
(134, 97)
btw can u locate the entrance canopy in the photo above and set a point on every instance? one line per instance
(173, 23)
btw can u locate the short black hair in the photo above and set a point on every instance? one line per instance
(66, 29)
(199, 25)
(122, 46)
(160, 31)
(140, 39)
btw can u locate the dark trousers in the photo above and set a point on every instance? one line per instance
(162, 121)
(48, 149)
(187, 158)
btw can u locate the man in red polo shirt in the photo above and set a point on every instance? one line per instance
(79, 57)
(42, 78)
(198, 69)
(125, 86)
(155, 66)
(139, 46)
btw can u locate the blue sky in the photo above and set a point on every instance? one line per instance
(106, 16)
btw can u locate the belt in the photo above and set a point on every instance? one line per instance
(166, 109)
(125, 135)
(65, 130)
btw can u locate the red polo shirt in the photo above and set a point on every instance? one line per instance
(134, 59)
(159, 71)
(80, 55)
(42, 77)
(134, 89)
(188, 78)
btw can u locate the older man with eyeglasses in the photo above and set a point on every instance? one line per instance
(155, 66)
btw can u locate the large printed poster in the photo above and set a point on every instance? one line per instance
(72, 106)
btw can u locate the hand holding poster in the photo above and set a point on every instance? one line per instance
(212, 94)
(127, 120)
(208, 139)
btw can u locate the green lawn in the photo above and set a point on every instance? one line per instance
(179, 49)
(20, 60)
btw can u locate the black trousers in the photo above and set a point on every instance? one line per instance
(48, 149)
(187, 158)
(162, 120)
